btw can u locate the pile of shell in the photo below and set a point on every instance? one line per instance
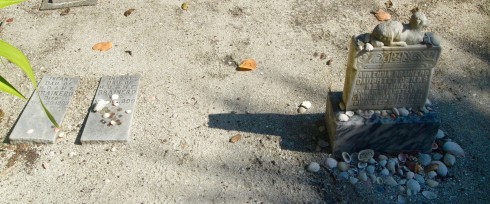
(110, 117)
(410, 173)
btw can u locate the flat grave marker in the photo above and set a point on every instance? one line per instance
(34, 126)
(117, 98)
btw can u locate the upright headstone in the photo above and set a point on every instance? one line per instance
(57, 4)
(110, 116)
(33, 126)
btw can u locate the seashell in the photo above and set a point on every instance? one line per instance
(353, 180)
(440, 134)
(435, 146)
(247, 65)
(402, 181)
(429, 195)
(101, 103)
(400, 172)
(362, 165)
(442, 169)
(346, 157)
(128, 111)
(114, 97)
(302, 110)
(395, 111)
(391, 166)
(342, 166)
(383, 163)
(30, 131)
(349, 113)
(382, 157)
(113, 122)
(313, 167)
(342, 117)
(419, 178)
(449, 159)
(424, 159)
(102, 46)
(453, 148)
(331, 163)
(373, 178)
(413, 186)
(379, 180)
(352, 171)
(370, 169)
(369, 47)
(431, 183)
(306, 104)
(344, 175)
(390, 181)
(437, 156)
(372, 161)
(365, 155)
(409, 175)
(385, 172)
(431, 174)
(431, 167)
(362, 176)
(106, 115)
(402, 157)
(403, 111)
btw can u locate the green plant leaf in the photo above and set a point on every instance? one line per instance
(5, 3)
(16, 56)
(6, 87)
(51, 118)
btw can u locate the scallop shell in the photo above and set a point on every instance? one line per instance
(346, 157)
(365, 155)
(247, 65)
(331, 163)
(424, 159)
(306, 104)
(402, 157)
(453, 148)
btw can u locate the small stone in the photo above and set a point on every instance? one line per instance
(370, 169)
(382, 157)
(371, 161)
(431, 183)
(419, 178)
(409, 175)
(113, 122)
(306, 104)
(440, 134)
(402, 181)
(349, 113)
(395, 111)
(72, 154)
(403, 111)
(301, 109)
(106, 115)
(401, 188)
(377, 112)
(313, 167)
(331, 163)
(353, 180)
(385, 172)
(235, 138)
(382, 163)
(429, 195)
(107, 181)
(51, 153)
(45, 165)
(390, 181)
(343, 117)
(362, 176)
(128, 111)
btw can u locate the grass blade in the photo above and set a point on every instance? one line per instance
(16, 56)
(5, 3)
(6, 87)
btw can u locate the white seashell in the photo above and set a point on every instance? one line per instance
(306, 104)
(346, 157)
(390, 181)
(62, 134)
(369, 47)
(313, 167)
(403, 111)
(30, 131)
(431, 174)
(441, 169)
(113, 122)
(383, 163)
(365, 155)
(353, 180)
(429, 195)
(431, 183)
(424, 159)
(106, 115)
(372, 161)
(453, 148)
(101, 103)
(449, 159)
(349, 113)
(382, 157)
(114, 97)
(395, 111)
(437, 156)
(331, 163)
(385, 172)
(342, 117)
(342, 166)
(409, 175)
(362, 165)
(301, 110)
(413, 186)
(439, 134)
(370, 169)
(362, 176)
(128, 111)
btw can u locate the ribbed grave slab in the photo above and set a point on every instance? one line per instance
(57, 4)
(113, 122)
(33, 125)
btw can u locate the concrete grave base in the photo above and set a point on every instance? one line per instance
(382, 134)
(57, 4)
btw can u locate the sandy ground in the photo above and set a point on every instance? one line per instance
(192, 100)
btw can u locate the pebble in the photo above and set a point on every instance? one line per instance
(453, 148)
(353, 180)
(449, 159)
(342, 166)
(45, 165)
(424, 159)
(51, 153)
(306, 104)
(390, 181)
(128, 111)
(373, 177)
(383, 163)
(313, 167)
(349, 113)
(385, 172)
(402, 181)
(370, 169)
(395, 111)
(413, 186)
(431, 183)
(429, 195)
(371, 161)
(301, 109)
(343, 117)
(331, 163)
(71, 154)
(409, 175)
(439, 134)
(403, 111)
(362, 176)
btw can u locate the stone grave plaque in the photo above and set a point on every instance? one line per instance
(34, 126)
(388, 77)
(57, 4)
(113, 121)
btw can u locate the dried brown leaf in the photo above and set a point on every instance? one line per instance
(382, 15)
(236, 138)
(128, 12)
(102, 46)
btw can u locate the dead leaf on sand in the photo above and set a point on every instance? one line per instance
(102, 46)
(381, 15)
(247, 65)
(236, 138)
(65, 12)
(128, 12)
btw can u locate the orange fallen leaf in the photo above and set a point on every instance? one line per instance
(247, 65)
(236, 138)
(382, 15)
(102, 46)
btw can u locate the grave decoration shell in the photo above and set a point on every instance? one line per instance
(331, 163)
(346, 157)
(365, 155)
(453, 148)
